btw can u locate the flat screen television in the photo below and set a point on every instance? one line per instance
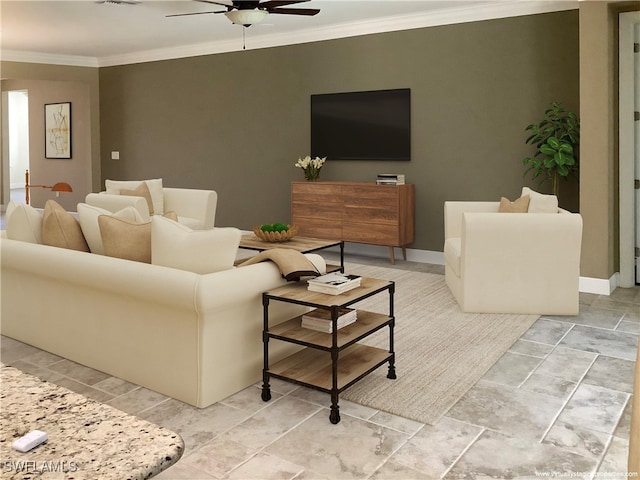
(374, 125)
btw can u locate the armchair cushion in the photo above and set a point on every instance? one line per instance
(114, 187)
(199, 251)
(520, 205)
(140, 191)
(539, 202)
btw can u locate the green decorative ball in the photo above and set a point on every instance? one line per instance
(275, 227)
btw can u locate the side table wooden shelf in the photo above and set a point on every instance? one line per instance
(331, 362)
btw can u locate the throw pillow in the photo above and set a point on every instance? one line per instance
(154, 185)
(521, 205)
(60, 229)
(24, 223)
(140, 191)
(199, 251)
(89, 223)
(171, 215)
(125, 239)
(540, 203)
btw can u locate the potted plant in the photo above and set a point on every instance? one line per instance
(556, 138)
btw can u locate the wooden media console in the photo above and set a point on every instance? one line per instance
(355, 212)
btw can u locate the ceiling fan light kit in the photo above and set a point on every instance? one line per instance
(246, 17)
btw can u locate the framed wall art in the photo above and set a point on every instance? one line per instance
(57, 130)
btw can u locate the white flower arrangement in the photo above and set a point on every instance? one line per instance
(311, 167)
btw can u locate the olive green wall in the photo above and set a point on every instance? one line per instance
(237, 122)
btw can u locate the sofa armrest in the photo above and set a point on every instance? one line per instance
(453, 212)
(198, 204)
(114, 203)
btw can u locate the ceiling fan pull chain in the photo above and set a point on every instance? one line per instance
(244, 46)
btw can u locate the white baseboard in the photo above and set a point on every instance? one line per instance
(413, 255)
(600, 286)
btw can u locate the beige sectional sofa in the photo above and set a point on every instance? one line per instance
(196, 337)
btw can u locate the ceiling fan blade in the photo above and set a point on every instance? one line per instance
(212, 2)
(295, 11)
(280, 3)
(195, 13)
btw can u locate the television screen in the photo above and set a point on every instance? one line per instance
(372, 125)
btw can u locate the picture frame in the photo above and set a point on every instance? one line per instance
(57, 130)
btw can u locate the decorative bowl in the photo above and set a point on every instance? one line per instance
(276, 236)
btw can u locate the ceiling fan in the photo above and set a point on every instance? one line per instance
(248, 12)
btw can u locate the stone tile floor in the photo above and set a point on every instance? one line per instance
(556, 404)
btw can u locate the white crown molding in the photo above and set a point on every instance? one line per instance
(48, 58)
(479, 12)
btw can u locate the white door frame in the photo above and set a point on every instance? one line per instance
(626, 153)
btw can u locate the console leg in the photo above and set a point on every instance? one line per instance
(392, 256)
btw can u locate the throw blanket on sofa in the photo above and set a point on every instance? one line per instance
(292, 264)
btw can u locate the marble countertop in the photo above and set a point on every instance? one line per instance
(87, 439)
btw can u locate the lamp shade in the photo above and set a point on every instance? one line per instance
(246, 17)
(61, 187)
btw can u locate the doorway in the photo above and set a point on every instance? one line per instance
(18, 148)
(629, 127)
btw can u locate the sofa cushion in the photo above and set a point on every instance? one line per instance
(520, 205)
(452, 249)
(89, 223)
(141, 190)
(154, 185)
(24, 223)
(61, 229)
(199, 251)
(125, 239)
(540, 203)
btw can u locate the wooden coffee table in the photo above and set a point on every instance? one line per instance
(301, 244)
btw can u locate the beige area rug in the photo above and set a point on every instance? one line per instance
(441, 352)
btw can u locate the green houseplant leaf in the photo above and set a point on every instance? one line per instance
(555, 138)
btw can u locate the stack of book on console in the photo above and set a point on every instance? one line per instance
(390, 179)
(333, 283)
(320, 319)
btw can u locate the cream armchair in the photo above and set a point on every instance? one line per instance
(512, 262)
(195, 208)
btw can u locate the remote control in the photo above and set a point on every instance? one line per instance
(30, 441)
